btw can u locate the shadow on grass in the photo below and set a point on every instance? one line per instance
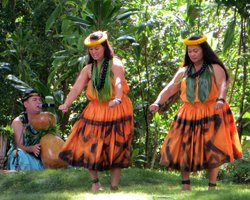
(74, 183)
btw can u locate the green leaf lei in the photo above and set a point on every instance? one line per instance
(100, 79)
(33, 136)
(37, 135)
(204, 82)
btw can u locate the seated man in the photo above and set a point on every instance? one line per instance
(25, 152)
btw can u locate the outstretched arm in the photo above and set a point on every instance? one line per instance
(77, 88)
(172, 87)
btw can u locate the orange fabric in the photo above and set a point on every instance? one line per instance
(201, 137)
(101, 137)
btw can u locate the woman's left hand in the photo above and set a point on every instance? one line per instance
(63, 107)
(219, 105)
(113, 103)
(154, 107)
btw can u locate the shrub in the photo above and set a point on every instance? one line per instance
(239, 170)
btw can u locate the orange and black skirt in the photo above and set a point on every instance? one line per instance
(201, 137)
(101, 137)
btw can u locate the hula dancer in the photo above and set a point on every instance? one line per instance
(203, 134)
(101, 137)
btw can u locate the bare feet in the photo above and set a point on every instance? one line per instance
(113, 188)
(185, 185)
(96, 187)
(211, 186)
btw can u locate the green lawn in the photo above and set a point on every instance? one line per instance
(136, 184)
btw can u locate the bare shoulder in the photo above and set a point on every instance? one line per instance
(216, 66)
(87, 67)
(181, 71)
(117, 66)
(86, 70)
(218, 69)
(117, 62)
(17, 122)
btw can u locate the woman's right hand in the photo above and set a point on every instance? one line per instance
(154, 107)
(36, 149)
(63, 107)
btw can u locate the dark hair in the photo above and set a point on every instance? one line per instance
(96, 36)
(29, 93)
(108, 52)
(209, 55)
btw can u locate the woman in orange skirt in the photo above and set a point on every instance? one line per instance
(203, 134)
(101, 137)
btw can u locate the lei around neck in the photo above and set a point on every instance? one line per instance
(204, 76)
(100, 79)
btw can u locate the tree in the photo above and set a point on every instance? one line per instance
(238, 30)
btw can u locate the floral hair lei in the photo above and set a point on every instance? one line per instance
(195, 42)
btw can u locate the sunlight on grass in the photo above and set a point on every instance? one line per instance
(117, 196)
(136, 184)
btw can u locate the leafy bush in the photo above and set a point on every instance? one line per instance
(239, 170)
(6, 131)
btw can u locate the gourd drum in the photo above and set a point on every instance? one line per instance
(43, 121)
(51, 144)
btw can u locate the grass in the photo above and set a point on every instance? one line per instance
(136, 184)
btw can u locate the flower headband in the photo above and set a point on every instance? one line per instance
(195, 42)
(95, 38)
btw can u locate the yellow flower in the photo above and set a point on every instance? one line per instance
(195, 42)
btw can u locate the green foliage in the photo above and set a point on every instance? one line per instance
(7, 132)
(53, 129)
(239, 170)
(156, 129)
(193, 12)
(7, 95)
(229, 36)
(84, 17)
(17, 83)
(55, 14)
(242, 6)
(246, 124)
(27, 50)
(149, 67)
